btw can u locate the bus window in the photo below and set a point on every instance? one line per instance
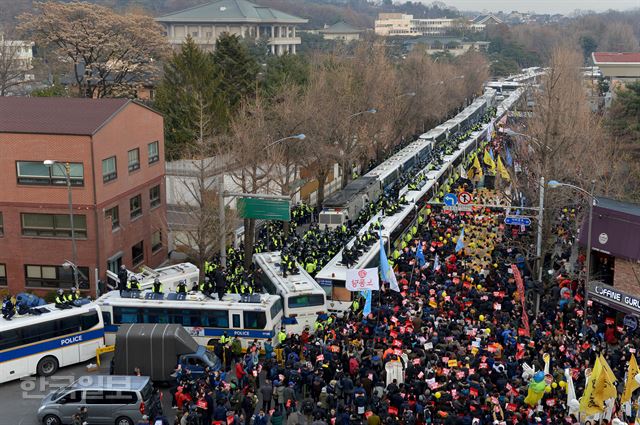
(236, 320)
(89, 320)
(125, 315)
(276, 308)
(255, 320)
(305, 301)
(218, 318)
(106, 317)
(10, 339)
(69, 325)
(186, 317)
(154, 315)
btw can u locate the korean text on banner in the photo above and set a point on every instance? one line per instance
(363, 279)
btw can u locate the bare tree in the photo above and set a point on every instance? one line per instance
(106, 52)
(250, 136)
(619, 37)
(199, 230)
(565, 140)
(15, 63)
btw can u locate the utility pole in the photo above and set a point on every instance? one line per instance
(539, 242)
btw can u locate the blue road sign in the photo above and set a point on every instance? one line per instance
(450, 199)
(515, 220)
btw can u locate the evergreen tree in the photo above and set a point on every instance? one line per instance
(282, 70)
(189, 79)
(237, 71)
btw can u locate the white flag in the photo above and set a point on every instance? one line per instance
(363, 280)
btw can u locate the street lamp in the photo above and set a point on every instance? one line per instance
(221, 212)
(553, 184)
(66, 169)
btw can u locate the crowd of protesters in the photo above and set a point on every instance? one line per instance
(449, 348)
(460, 342)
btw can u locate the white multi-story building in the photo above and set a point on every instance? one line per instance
(240, 17)
(390, 24)
(16, 57)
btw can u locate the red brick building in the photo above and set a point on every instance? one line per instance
(115, 151)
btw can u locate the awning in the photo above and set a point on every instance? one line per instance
(614, 298)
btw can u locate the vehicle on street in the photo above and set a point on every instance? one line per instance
(110, 399)
(302, 297)
(156, 349)
(53, 338)
(206, 319)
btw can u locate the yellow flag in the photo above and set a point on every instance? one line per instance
(599, 388)
(631, 385)
(502, 170)
(488, 160)
(476, 170)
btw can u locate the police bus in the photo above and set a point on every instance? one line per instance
(303, 299)
(169, 276)
(40, 344)
(258, 317)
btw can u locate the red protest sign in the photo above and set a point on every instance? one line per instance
(392, 410)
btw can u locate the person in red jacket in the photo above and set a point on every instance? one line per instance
(241, 374)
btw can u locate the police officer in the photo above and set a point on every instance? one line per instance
(123, 277)
(224, 339)
(73, 296)
(133, 284)
(61, 300)
(8, 308)
(157, 286)
(218, 277)
(282, 336)
(182, 287)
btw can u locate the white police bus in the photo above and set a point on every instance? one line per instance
(40, 344)
(204, 318)
(302, 297)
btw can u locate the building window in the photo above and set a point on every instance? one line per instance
(113, 214)
(156, 241)
(3, 275)
(137, 253)
(194, 34)
(109, 170)
(53, 225)
(135, 206)
(134, 159)
(36, 173)
(44, 276)
(154, 196)
(209, 34)
(154, 152)
(1, 225)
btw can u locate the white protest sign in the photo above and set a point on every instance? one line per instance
(363, 279)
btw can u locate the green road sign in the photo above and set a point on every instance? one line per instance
(266, 209)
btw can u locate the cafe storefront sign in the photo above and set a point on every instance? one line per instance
(614, 298)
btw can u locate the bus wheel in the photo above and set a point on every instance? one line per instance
(51, 420)
(47, 366)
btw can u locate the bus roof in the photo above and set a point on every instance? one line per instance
(302, 282)
(229, 301)
(49, 311)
